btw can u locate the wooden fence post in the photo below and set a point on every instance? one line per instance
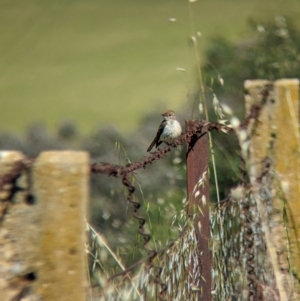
(261, 131)
(198, 197)
(276, 136)
(287, 161)
(42, 229)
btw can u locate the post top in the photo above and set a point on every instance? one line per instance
(287, 82)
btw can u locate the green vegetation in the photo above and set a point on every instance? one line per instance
(271, 51)
(107, 61)
(99, 63)
(233, 61)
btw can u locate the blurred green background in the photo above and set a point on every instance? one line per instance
(108, 61)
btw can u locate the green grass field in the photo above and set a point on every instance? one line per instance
(107, 61)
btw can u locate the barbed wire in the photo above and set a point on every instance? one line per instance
(196, 129)
(8, 186)
(239, 208)
(12, 175)
(194, 133)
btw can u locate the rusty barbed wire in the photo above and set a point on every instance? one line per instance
(196, 129)
(253, 115)
(8, 187)
(146, 236)
(189, 137)
(127, 183)
(11, 176)
(255, 109)
(158, 281)
(247, 232)
(247, 235)
(247, 209)
(247, 206)
(125, 171)
(249, 242)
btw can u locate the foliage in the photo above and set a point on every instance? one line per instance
(271, 51)
(160, 190)
(87, 59)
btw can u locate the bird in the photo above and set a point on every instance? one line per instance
(168, 130)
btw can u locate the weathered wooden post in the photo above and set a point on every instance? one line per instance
(260, 93)
(198, 197)
(276, 136)
(42, 228)
(287, 162)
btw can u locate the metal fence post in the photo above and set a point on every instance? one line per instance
(198, 197)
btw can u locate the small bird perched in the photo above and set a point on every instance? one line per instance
(168, 130)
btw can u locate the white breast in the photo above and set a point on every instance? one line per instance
(171, 131)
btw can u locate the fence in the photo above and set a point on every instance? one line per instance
(275, 146)
(42, 217)
(42, 235)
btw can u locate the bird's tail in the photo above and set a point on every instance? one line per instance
(151, 145)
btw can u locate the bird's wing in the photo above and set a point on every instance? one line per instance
(156, 140)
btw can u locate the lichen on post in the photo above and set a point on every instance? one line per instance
(42, 233)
